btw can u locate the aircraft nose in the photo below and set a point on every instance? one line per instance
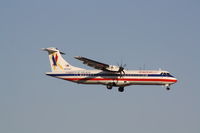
(175, 80)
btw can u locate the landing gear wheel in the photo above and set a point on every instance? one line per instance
(109, 86)
(168, 88)
(121, 89)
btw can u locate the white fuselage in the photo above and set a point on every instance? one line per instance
(105, 74)
(129, 77)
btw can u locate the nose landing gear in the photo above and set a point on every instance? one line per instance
(167, 87)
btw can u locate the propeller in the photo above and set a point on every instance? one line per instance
(121, 69)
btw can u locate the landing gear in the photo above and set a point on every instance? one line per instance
(109, 86)
(168, 88)
(121, 89)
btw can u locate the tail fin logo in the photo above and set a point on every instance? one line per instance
(55, 62)
(55, 59)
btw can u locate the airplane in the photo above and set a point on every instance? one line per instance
(105, 74)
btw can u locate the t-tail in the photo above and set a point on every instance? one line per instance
(58, 64)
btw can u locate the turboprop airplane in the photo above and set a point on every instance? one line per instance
(108, 75)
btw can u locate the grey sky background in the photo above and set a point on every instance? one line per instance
(158, 33)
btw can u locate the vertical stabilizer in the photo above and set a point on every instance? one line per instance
(58, 64)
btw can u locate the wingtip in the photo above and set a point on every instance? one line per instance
(77, 57)
(43, 49)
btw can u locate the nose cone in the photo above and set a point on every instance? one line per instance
(175, 80)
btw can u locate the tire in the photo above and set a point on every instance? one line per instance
(109, 86)
(121, 89)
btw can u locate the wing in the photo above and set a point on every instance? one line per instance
(92, 63)
(99, 65)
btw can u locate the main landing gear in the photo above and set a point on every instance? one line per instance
(120, 89)
(109, 86)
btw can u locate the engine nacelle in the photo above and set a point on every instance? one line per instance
(113, 68)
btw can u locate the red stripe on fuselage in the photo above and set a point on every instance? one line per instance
(127, 79)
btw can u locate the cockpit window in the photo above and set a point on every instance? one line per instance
(166, 74)
(163, 74)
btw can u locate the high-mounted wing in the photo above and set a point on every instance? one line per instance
(92, 63)
(99, 65)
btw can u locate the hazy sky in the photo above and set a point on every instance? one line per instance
(156, 33)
